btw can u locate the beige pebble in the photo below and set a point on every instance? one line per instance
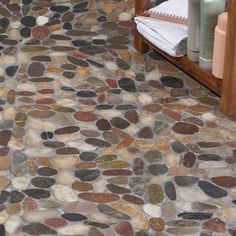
(64, 162)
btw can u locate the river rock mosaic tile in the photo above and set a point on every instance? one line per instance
(99, 140)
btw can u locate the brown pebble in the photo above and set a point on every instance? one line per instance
(82, 186)
(29, 204)
(13, 208)
(40, 32)
(157, 224)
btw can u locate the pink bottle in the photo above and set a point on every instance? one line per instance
(219, 46)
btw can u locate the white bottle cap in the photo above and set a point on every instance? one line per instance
(205, 63)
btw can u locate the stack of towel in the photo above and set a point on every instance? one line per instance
(169, 36)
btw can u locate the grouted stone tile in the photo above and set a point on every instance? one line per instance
(97, 139)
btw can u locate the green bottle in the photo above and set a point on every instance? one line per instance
(210, 9)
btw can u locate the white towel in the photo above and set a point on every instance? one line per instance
(169, 37)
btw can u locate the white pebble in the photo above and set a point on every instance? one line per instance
(12, 223)
(26, 87)
(188, 102)
(183, 206)
(2, 71)
(153, 75)
(111, 65)
(32, 138)
(65, 177)
(145, 99)
(152, 210)
(124, 16)
(129, 98)
(100, 186)
(212, 164)
(109, 114)
(76, 229)
(67, 102)
(191, 195)
(41, 20)
(208, 117)
(15, 24)
(21, 182)
(82, 146)
(64, 194)
(38, 151)
(7, 60)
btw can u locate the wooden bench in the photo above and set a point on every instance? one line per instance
(225, 88)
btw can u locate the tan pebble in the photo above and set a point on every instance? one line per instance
(138, 219)
(168, 210)
(86, 165)
(68, 137)
(157, 224)
(160, 179)
(39, 215)
(227, 214)
(65, 177)
(221, 172)
(82, 72)
(32, 167)
(32, 138)
(178, 171)
(29, 204)
(2, 91)
(55, 70)
(64, 162)
(13, 208)
(183, 139)
(121, 6)
(4, 182)
(138, 57)
(43, 161)
(175, 106)
(120, 73)
(22, 57)
(108, 8)
(199, 172)
(163, 144)
(160, 234)
(232, 193)
(19, 234)
(3, 216)
(172, 159)
(226, 134)
(5, 163)
(82, 186)
(140, 143)
(11, 96)
(125, 55)
(16, 144)
(55, 27)
(130, 74)
(9, 113)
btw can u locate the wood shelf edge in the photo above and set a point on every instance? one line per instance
(191, 68)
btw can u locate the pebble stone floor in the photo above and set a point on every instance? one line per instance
(97, 139)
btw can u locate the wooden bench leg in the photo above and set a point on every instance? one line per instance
(140, 7)
(228, 93)
(139, 45)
